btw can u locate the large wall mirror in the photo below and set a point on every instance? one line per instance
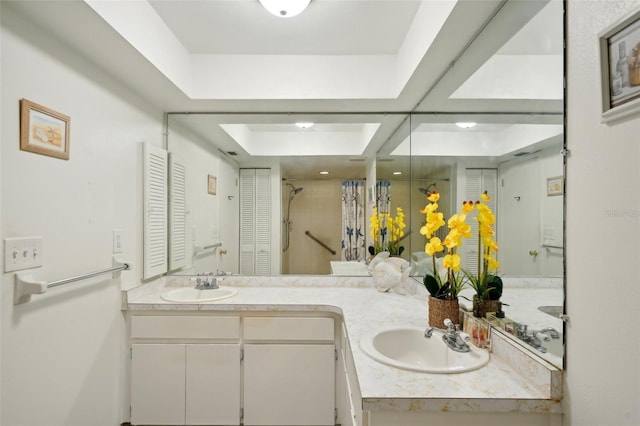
(263, 192)
(298, 197)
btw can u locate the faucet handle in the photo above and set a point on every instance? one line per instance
(550, 331)
(449, 324)
(542, 336)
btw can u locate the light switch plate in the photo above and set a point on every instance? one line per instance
(22, 253)
(117, 241)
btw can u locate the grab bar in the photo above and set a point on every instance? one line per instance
(307, 233)
(26, 285)
(198, 249)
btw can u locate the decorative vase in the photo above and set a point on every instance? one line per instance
(481, 307)
(439, 309)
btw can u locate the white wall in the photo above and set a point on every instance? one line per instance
(63, 352)
(210, 218)
(602, 378)
(546, 224)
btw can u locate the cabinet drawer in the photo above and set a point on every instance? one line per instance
(185, 327)
(288, 329)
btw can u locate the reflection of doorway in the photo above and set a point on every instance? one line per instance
(519, 218)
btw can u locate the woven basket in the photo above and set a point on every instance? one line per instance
(439, 309)
(480, 309)
(634, 76)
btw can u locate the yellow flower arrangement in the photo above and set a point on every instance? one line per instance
(437, 286)
(486, 284)
(386, 232)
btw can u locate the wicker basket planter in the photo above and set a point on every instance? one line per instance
(439, 309)
(634, 76)
(480, 308)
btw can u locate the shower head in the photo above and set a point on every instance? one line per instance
(430, 188)
(294, 191)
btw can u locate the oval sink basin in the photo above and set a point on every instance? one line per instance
(192, 295)
(408, 349)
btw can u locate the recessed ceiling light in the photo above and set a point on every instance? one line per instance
(465, 125)
(324, 172)
(304, 125)
(397, 173)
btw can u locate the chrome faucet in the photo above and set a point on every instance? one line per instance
(206, 283)
(454, 338)
(535, 338)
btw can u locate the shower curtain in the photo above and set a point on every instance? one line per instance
(383, 196)
(353, 222)
(383, 205)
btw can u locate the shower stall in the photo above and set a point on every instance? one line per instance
(311, 225)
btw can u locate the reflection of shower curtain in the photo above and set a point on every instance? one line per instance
(383, 204)
(383, 196)
(353, 220)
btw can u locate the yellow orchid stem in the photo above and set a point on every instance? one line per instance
(479, 249)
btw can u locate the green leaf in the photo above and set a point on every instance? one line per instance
(431, 284)
(495, 287)
(444, 291)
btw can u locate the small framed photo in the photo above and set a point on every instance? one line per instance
(555, 186)
(620, 67)
(212, 184)
(43, 130)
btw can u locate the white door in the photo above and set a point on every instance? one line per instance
(157, 384)
(213, 384)
(289, 384)
(518, 219)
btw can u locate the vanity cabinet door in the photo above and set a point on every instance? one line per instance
(213, 384)
(157, 384)
(193, 384)
(289, 384)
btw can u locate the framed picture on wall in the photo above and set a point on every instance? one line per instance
(212, 183)
(555, 186)
(43, 130)
(620, 67)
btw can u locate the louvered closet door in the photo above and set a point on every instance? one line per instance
(177, 214)
(263, 222)
(255, 221)
(478, 181)
(155, 211)
(247, 220)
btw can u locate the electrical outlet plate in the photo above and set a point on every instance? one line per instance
(22, 253)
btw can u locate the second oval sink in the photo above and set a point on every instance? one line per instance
(408, 349)
(192, 295)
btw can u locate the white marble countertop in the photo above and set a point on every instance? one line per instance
(494, 388)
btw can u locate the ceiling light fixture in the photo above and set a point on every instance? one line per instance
(304, 125)
(465, 125)
(324, 172)
(285, 8)
(397, 173)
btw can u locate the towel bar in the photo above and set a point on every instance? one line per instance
(26, 285)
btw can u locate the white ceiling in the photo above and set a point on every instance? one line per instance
(333, 27)
(458, 58)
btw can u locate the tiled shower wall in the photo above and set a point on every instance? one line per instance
(317, 209)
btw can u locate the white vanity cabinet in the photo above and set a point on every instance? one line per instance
(185, 370)
(289, 371)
